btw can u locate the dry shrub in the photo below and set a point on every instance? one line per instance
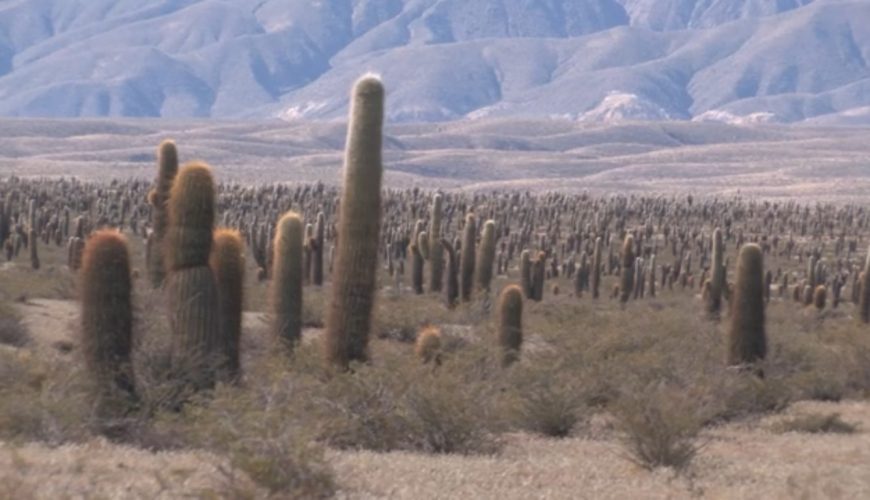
(659, 427)
(42, 400)
(548, 398)
(815, 423)
(12, 330)
(398, 404)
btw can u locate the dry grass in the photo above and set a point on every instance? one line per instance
(816, 423)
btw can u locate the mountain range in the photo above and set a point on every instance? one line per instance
(734, 61)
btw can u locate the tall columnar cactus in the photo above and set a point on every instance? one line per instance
(191, 286)
(538, 276)
(596, 267)
(747, 340)
(717, 276)
(417, 263)
(452, 289)
(353, 285)
(107, 321)
(158, 198)
(626, 280)
(510, 323)
(34, 252)
(652, 276)
(526, 274)
(486, 256)
(286, 289)
(466, 261)
(436, 250)
(864, 294)
(820, 297)
(317, 244)
(227, 262)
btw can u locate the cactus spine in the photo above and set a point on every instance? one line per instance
(510, 324)
(107, 321)
(227, 262)
(286, 291)
(158, 198)
(353, 289)
(193, 298)
(747, 340)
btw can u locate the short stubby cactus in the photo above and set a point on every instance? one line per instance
(510, 323)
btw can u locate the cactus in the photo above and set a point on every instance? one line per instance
(747, 340)
(34, 253)
(427, 347)
(452, 289)
(436, 250)
(626, 280)
(417, 264)
(353, 285)
(538, 275)
(466, 260)
(717, 276)
(167, 168)
(192, 290)
(596, 268)
(227, 262)
(864, 292)
(317, 244)
(107, 321)
(526, 274)
(510, 324)
(820, 297)
(286, 289)
(486, 256)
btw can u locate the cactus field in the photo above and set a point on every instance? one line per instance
(357, 332)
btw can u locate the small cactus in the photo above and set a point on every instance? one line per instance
(107, 321)
(227, 262)
(820, 297)
(747, 340)
(466, 260)
(510, 324)
(286, 289)
(486, 256)
(427, 347)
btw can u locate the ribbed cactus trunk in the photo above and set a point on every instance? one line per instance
(107, 322)
(353, 284)
(158, 198)
(864, 294)
(486, 256)
(436, 250)
(539, 273)
(197, 353)
(417, 269)
(286, 288)
(526, 274)
(319, 241)
(452, 288)
(747, 340)
(34, 249)
(626, 280)
(227, 262)
(510, 323)
(596, 268)
(466, 261)
(717, 276)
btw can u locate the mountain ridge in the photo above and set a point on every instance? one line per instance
(730, 60)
